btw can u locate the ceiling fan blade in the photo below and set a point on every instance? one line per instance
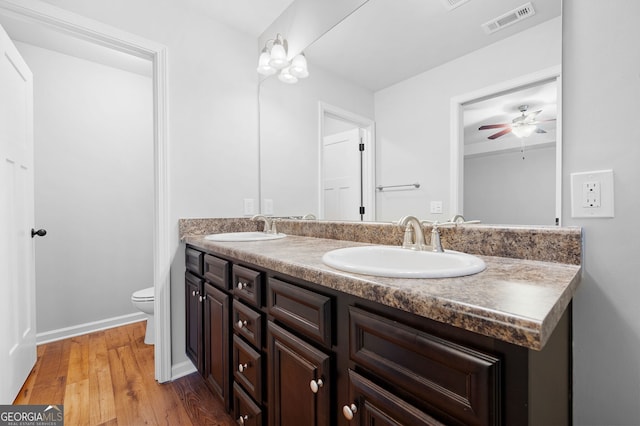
(539, 130)
(502, 133)
(494, 126)
(549, 119)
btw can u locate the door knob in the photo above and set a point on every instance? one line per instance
(39, 232)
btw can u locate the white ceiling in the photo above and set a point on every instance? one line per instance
(249, 16)
(387, 41)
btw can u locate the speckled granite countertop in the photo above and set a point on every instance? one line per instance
(519, 301)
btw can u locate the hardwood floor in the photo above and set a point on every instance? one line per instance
(107, 378)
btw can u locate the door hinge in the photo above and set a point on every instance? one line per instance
(361, 146)
(361, 209)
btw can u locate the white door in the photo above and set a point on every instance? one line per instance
(342, 176)
(17, 266)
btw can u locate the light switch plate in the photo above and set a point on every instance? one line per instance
(592, 194)
(248, 206)
(436, 207)
(268, 206)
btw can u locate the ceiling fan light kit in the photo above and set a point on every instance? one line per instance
(522, 126)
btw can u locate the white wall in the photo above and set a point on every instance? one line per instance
(601, 100)
(502, 187)
(289, 136)
(93, 128)
(413, 123)
(304, 21)
(212, 116)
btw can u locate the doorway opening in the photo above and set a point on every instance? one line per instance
(488, 149)
(87, 31)
(347, 159)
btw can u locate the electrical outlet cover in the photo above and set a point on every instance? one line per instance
(592, 194)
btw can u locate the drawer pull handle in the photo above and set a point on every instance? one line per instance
(241, 285)
(242, 323)
(242, 367)
(349, 410)
(243, 419)
(315, 385)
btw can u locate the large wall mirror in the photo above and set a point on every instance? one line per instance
(413, 82)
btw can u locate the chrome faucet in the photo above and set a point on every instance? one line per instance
(413, 235)
(436, 244)
(457, 218)
(269, 224)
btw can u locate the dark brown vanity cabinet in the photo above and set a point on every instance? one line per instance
(301, 382)
(458, 384)
(248, 346)
(208, 314)
(299, 353)
(194, 343)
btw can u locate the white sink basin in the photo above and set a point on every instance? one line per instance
(244, 236)
(398, 262)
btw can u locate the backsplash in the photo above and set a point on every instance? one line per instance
(549, 244)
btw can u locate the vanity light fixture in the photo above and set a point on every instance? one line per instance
(273, 59)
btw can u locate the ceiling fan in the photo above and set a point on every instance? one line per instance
(521, 126)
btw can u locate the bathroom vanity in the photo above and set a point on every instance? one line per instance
(283, 339)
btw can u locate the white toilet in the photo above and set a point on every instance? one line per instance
(143, 300)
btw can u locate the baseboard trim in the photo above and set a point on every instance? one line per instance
(182, 369)
(90, 327)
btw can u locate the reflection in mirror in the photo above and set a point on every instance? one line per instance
(509, 167)
(398, 64)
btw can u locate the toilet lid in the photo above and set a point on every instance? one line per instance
(144, 294)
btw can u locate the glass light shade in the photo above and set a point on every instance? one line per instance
(263, 64)
(299, 67)
(523, 130)
(278, 56)
(286, 77)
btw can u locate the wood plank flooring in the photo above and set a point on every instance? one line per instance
(107, 378)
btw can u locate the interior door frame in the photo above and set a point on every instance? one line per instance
(37, 12)
(457, 132)
(368, 135)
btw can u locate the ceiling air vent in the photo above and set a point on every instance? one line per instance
(452, 4)
(516, 15)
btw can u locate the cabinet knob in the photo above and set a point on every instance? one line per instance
(349, 410)
(241, 285)
(315, 385)
(242, 367)
(243, 419)
(195, 293)
(203, 298)
(242, 323)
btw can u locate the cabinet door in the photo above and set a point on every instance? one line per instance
(300, 384)
(372, 405)
(216, 312)
(193, 320)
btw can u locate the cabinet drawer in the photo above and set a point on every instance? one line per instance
(247, 323)
(375, 405)
(304, 310)
(247, 365)
(245, 411)
(216, 271)
(194, 260)
(247, 285)
(460, 384)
